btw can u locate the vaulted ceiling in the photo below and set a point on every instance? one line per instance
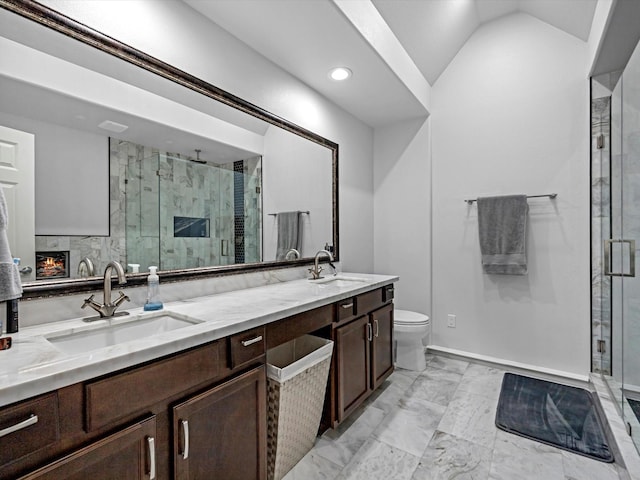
(396, 49)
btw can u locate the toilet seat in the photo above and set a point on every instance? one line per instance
(407, 318)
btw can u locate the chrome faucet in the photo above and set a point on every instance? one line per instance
(108, 308)
(315, 271)
(292, 254)
(86, 268)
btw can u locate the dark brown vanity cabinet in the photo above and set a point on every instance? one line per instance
(128, 424)
(127, 454)
(197, 414)
(363, 336)
(353, 353)
(221, 433)
(381, 322)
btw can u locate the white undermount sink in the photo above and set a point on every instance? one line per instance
(117, 330)
(339, 281)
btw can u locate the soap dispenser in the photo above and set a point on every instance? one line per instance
(153, 290)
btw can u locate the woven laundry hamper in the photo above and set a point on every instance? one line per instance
(297, 373)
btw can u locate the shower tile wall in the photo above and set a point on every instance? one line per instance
(600, 225)
(252, 210)
(238, 210)
(147, 189)
(195, 190)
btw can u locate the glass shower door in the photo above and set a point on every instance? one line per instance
(620, 250)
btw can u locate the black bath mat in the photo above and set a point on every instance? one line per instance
(558, 415)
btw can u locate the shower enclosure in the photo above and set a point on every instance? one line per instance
(184, 213)
(615, 153)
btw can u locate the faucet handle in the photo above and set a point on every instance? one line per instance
(121, 298)
(87, 301)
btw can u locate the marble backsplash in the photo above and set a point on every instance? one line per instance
(45, 310)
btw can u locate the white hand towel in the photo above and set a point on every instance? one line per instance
(10, 284)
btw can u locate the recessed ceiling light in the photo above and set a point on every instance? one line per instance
(340, 73)
(113, 126)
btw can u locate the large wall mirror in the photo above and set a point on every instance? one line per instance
(133, 160)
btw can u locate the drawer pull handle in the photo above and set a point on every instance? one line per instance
(369, 332)
(32, 420)
(246, 343)
(185, 435)
(151, 444)
(377, 325)
(347, 305)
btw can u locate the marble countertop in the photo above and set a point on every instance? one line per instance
(34, 365)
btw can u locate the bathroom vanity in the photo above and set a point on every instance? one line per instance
(187, 401)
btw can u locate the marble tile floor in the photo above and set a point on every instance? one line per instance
(439, 424)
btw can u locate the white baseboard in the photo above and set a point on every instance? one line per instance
(509, 364)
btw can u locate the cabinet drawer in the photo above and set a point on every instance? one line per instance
(27, 427)
(368, 302)
(346, 309)
(134, 391)
(246, 346)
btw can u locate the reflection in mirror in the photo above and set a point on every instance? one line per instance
(160, 175)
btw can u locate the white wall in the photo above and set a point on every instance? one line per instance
(402, 210)
(510, 115)
(292, 182)
(176, 34)
(63, 174)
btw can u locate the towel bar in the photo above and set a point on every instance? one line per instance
(274, 214)
(550, 195)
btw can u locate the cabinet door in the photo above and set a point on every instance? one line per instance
(128, 454)
(352, 361)
(221, 433)
(382, 345)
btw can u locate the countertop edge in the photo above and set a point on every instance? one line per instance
(47, 376)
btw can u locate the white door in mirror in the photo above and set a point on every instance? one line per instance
(17, 181)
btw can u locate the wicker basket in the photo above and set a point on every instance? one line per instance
(296, 382)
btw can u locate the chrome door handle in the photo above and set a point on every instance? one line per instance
(185, 436)
(369, 332)
(632, 258)
(246, 343)
(377, 325)
(151, 445)
(347, 305)
(32, 420)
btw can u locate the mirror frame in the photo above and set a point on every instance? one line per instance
(54, 20)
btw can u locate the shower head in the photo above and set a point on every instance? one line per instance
(198, 159)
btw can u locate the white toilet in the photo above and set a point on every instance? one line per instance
(411, 334)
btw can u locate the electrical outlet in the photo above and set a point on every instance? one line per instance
(451, 321)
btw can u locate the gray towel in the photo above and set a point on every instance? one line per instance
(10, 285)
(289, 233)
(502, 226)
